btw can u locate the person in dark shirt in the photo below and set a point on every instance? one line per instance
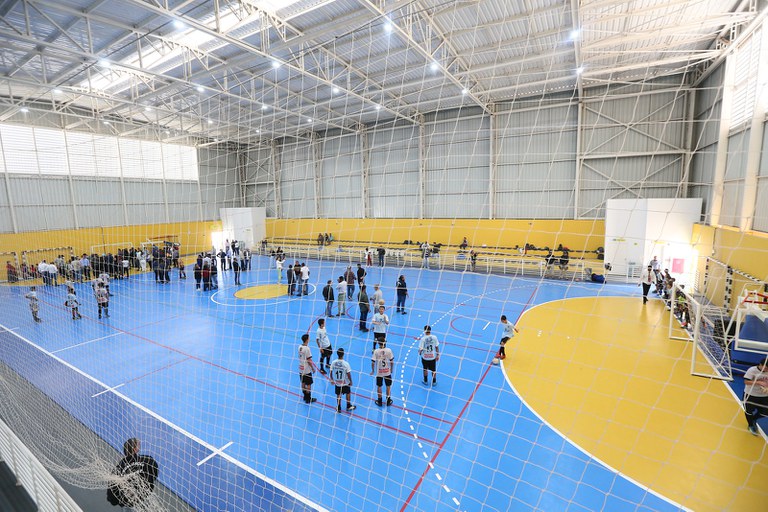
(402, 293)
(134, 477)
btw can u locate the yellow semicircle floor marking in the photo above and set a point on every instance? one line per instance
(264, 291)
(603, 372)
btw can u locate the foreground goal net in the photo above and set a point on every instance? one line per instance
(451, 210)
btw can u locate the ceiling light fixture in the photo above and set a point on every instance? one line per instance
(107, 123)
(378, 107)
(465, 91)
(210, 121)
(105, 63)
(264, 107)
(23, 110)
(575, 34)
(579, 70)
(200, 88)
(336, 90)
(57, 91)
(388, 26)
(178, 24)
(434, 66)
(276, 64)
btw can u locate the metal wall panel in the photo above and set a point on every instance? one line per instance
(98, 215)
(298, 208)
(763, 170)
(709, 95)
(733, 196)
(702, 177)
(144, 192)
(3, 193)
(541, 204)
(6, 224)
(404, 206)
(92, 191)
(635, 124)
(760, 222)
(25, 190)
(738, 148)
(40, 218)
(342, 156)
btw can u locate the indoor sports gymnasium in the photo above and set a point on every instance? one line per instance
(383, 255)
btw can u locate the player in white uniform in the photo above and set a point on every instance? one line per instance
(383, 363)
(429, 350)
(324, 343)
(73, 304)
(306, 369)
(509, 332)
(380, 323)
(341, 375)
(34, 303)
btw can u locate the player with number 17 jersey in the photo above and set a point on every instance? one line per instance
(340, 371)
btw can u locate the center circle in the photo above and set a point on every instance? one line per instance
(264, 291)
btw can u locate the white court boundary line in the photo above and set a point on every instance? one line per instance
(87, 342)
(568, 439)
(177, 428)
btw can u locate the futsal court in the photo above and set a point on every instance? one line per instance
(593, 409)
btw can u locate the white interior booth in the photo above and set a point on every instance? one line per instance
(248, 225)
(636, 230)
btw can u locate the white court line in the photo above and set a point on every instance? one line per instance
(486, 325)
(5, 329)
(87, 342)
(108, 390)
(568, 439)
(215, 453)
(192, 437)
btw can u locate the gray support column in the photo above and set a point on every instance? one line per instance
(316, 145)
(242, 176)
(69, 182)
(122, 184)
(366, 172)
(721, 159)
(8, 193)
(165, 185)
(422, 168)
(579, 159)
(493, 160)
(754, 149)
(275, 157)
(690, 113)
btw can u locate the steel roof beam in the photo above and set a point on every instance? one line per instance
(413, 19)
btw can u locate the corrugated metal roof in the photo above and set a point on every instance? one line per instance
(380, 61)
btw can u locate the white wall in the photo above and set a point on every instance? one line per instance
(245, 224)
(638, 229)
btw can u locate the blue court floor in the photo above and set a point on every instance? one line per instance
(209, 382)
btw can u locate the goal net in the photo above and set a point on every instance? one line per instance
(445, 154)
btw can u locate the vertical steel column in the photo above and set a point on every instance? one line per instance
(493, 150)
(242, 176)
(690, 112)
(579, 158)
(317, 161)
(122, 184)
(422, 168)
(275, 159)
(366, 161)
(721, 159)
(8, 192)
(69, 180)
(754, 149)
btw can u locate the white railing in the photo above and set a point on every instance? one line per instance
(515, 265)
(44, 490)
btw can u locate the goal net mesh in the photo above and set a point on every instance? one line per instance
(483, 211)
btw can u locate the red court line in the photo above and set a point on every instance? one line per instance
(248, 377)
(458, 418)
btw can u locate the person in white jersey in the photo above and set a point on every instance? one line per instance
(304, 280)
(380, 323)
(382, 364)
(429, 350)
(279, 267)
(341, 296)
(509, 333)
(34, 303)
(756, 394)
(377, 297)
(341, 375)
(324, 343)
(306, 369)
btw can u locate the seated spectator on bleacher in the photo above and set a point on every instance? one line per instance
(320, 240)
(464, 244)
(13, 275)
(564, 261)
(550, 260)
